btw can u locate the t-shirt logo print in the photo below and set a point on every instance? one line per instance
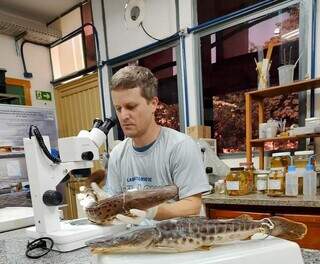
(139, 183)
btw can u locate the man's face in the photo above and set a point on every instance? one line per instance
(135, 114)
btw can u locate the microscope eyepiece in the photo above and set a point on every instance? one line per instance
(97, 123)
(107, 125)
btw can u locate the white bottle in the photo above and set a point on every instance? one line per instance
(309, 183)
(292, 181)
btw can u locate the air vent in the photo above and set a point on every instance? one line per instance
(34, 31)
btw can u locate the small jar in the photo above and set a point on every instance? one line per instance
(219, 187)
(237, 182)
(280, 160)
(249, 168)
(261, 181)
(276, 182)
(300, 160)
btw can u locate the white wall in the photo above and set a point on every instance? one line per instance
(159, 21)
(38, 63)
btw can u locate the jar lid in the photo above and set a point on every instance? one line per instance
(281, 154)
(261, 172)
(282, 169)
(303, 152)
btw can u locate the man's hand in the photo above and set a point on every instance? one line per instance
(85, 199)
(100, 194)
(89, 196)
(137, 216)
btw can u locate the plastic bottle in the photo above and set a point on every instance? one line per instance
(309, 182)
(291, 181)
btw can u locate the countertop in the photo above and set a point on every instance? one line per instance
(261, 199)
(13, 245)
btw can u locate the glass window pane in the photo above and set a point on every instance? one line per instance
(67, 57)
(163, 66)
(210, 9)
(229, 70)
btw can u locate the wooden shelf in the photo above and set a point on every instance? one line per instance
(263, 140)
(295, 87)
(258, 97)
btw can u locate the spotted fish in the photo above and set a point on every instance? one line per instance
(104, 211)
(194, 233)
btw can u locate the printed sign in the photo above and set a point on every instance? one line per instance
(43, 95)
(16, 120)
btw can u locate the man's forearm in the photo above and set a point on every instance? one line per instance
(185, 207)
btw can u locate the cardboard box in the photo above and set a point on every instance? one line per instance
(199, 131)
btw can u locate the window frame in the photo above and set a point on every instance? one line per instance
(128, 58)
(85, 69)
(304, 64)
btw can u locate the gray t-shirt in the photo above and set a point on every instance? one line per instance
(174, 158)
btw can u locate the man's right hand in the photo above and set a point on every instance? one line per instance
(137, 216)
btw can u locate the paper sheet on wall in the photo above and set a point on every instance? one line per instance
(13, 168)
(16, 120)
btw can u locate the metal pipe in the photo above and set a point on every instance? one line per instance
(184, 78)
(313, 54)
(27, 74)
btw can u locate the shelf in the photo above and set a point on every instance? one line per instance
(295, 87)
(263, 140)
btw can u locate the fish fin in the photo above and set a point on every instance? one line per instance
(244, 217)
(205, 248)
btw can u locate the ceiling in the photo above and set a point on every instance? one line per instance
(39, 10)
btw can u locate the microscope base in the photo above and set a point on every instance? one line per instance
(74, 236)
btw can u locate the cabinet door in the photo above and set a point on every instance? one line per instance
(226, 214)
(312, 238)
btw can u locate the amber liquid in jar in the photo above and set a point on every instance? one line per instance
(249, 168)
(276, 182)
(280, 160)
(237, 182)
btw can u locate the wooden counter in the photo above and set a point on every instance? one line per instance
(261, 206)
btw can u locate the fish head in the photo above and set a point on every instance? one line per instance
(287, 229)
(131, 241)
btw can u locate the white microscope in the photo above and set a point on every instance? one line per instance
(46, 171)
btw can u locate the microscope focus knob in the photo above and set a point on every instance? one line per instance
(88, 155)
(52, 198)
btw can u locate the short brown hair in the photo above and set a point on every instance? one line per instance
(133, 76)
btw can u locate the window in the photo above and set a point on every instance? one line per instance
(210, 9)
(163, 66)
(67, 57)
(229, 70)
(78, 52)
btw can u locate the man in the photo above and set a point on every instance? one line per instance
(152, 155)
